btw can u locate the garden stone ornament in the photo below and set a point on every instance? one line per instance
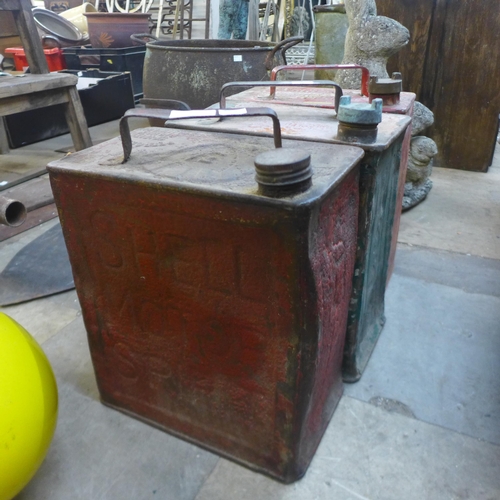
(423, 118)
(370, 41)
(422, 151)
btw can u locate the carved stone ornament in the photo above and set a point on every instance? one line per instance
(422, 151)
(370, 41)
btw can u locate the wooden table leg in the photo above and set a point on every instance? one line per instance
(75, 118)
(4, 141)
(30, 38)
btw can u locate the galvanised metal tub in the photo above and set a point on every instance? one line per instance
(193, 71)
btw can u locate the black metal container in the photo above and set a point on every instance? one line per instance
(123, 59)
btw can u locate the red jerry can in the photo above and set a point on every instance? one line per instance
(215, 305)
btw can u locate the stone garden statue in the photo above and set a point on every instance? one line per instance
(370, 41)
(422, 151)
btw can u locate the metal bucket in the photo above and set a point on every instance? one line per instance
(55, 30)
(193, 71)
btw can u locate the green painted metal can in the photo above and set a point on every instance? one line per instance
(306, 114)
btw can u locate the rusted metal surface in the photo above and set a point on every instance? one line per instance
(323, 98)
(357, 134)
(378, 194)
(305, 123)
(33, 219)
(193, 71)
(393, 85)
(213, 312)
(283, 172)
(387, 89)
(169, 115)
(279, 172)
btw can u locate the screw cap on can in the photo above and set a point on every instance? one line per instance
(283, 171)
(381, 86)
(359, 113)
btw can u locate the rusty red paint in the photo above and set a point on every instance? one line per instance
(332, 264)
(381, 186)
(211, 317)
(223, 353)
(388, 99)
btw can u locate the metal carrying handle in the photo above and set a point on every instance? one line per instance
(172, 114)
(287, 83)
(282, 46)
(365, 74)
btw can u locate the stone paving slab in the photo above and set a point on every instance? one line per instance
(461, 214)
(439, 356)
(467, 272)
(370, 454)
(45, 317)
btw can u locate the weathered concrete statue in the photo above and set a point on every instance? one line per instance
(370, 41)
(422, 151)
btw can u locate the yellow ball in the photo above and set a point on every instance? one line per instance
(28, 407)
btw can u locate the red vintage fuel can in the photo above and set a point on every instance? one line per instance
(214, 273)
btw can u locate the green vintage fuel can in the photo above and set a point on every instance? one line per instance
(304, 119)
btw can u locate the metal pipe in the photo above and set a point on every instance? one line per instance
(12, 212)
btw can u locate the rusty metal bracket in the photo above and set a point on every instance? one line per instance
(365, 74)
(168, 114)
(291, 83)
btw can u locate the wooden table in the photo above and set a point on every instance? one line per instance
(40, 88)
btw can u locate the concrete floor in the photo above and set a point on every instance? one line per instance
(423, 422)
